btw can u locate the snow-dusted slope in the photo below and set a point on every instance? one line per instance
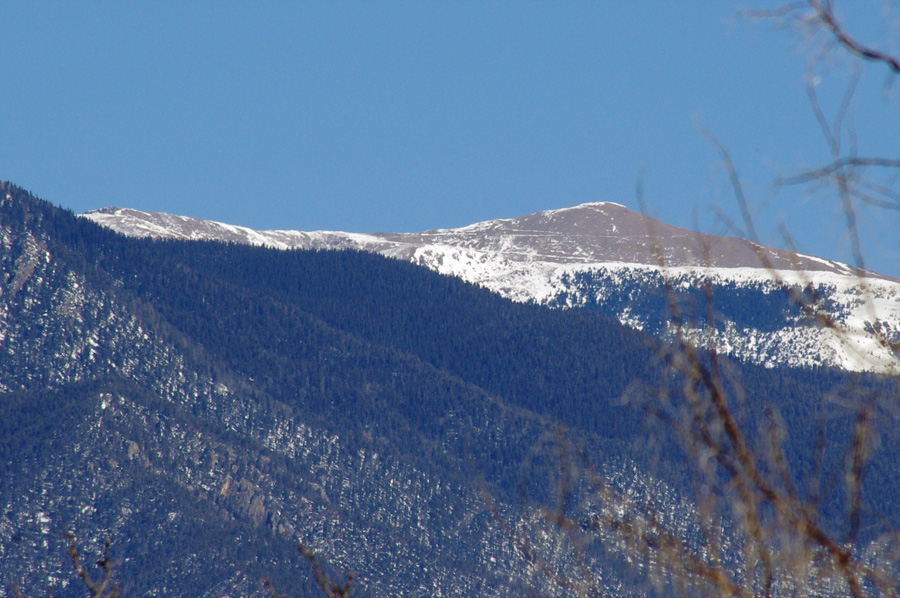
(606, 257)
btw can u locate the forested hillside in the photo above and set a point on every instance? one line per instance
(207, 406)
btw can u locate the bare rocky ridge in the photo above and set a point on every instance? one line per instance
(590, 233)
(609, 232)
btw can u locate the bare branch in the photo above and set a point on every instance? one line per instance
(890, 199)
(841, 114)
(781, 11)
(268, 585)
(837, 166)
(736, 184)
(825, 13)
(746, 488)
(329, 587)
(100, 587)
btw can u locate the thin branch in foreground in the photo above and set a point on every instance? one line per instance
(775, 13)
(329, 587)
(825, 13)
(326, 584)
(837, 166)
(99, 588)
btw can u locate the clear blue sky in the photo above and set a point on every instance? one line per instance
(387, 116)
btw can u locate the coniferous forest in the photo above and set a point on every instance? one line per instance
(208, 406)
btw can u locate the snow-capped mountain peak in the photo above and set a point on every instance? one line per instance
(609, 258)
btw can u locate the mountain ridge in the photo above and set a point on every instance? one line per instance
(587, 233)
(594, 254)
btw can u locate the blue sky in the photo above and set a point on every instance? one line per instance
(407, 116)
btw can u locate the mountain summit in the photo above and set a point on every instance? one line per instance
(590, 233)
(605, 257)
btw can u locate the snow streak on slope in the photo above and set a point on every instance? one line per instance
(606, 257)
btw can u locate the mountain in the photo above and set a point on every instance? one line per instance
(607, 258)
(590, 233)
(206, 406)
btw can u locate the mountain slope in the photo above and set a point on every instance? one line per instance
(188, 407)
(208, 405)
(607, 258)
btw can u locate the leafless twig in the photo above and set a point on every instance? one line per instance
(103, 586)
(329, 588)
